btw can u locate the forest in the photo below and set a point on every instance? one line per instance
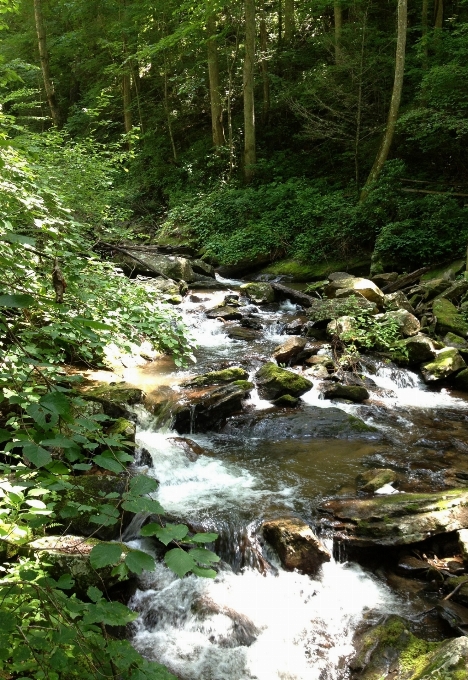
(215, 219)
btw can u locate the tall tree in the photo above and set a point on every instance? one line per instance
(250, 157)
(439, 14)
(45, 67)
(264, 66)
(338, 13)
(387, 139)
(289, 21)
(213, 75)
(127, 90)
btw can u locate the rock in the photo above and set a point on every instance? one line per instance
(207, 408)
(365, 287)
(460, 382)
(408, 324)
(318, 372)
(343, 293)
(339, 276)
(296, 544)
(225, 313)
(114, 398)
(258, 293)
(126, 428)
(372, 480)
(351, 392)
(448, 318)
(273, 382)
(455, 291)
(153, 264)
(399, 519)
(201, 267)
(420, 348)
(70, 555)
(463, 545)
(443, 272)
(286, 401)
(191, 449)
(382, 280)
(253, 324)
(314, 422)
(452, 340)
(240, 333)
(343, 326)
(289, 349)
(456, 616)
(460, 582)
(295, 327)
(446, 362)
(232, 300)
(167, 289)
(327, 310)
(227, 375)
(396, 301)
(412, 567)
(321, 360)
(430, 289)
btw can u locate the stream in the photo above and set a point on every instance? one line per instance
(267, 624)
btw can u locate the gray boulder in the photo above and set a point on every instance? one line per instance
(289, 349)
(296, 544)
(352, 392)
(446, 362)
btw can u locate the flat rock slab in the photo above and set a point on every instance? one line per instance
(398, 519)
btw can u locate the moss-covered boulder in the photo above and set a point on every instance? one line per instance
(258, 293)
(326, 310)
(242, 333)
(420, 348)
(398, 300)
(445, 272)
(408, 324)
(114, 398)
(151, 263)
(371, 480)
(167, 290)
(301, 271)
(448, 318)
(397, 519)
(273, 382)
(458, 585)
(446, 362)
(70, 555)
(227, 375)
(452, 340)
(352, 392)
(460, 382)
(296, 544)
(286, 401)
(203, 268)
(123, 427)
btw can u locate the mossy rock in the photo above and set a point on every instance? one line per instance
(274, 382)
(124, 428)
(447, 272)
(300, 271)
(452, 340)
(244, 385)
(227, 375)
(326, 310)
(446, 362)
(114, 398)
(371, 480)
(448, 318)
(286, 400)
(259, 293)
(460, 382)
(354, 393)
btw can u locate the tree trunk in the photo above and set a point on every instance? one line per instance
(127, 92)
(289, 24)
(44, 58)
(439, 14)
(264, 67)
(387, 139)
(424, 32)
(248, 84)
(338, 12)
(213, 74)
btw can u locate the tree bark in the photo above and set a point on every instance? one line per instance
(213, 74)
(439, 14)
(248, 85)
(127, 92)
(338, 29)
(264, 67)
(44, 58)
(424, 32)
(387, 139)
(289, 23)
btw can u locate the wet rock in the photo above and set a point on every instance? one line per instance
(460, 382)
(382, 280)
(372, 480)
(452, 340)
(408, 324)
(395, 301)
(114, 398)
(463, 544)
(167, 289)
(226, 313)
(201, 267)
(315, 422)
(398, 519)
(456, 616)
(227, 375)
(232, 300)
(340, 391)
(457, 588)
(411, 566)
(420, 349)
(296, 544)
(286, 400)
(448, 319)
(240, 333)
(327, 310)
(318, 372)
(259, 293)
(365, 287)
(320, 360)
(191, 449)
(242, 631)
(273, 382)
(152, 264)
(295, 327)
(208, 407)
(455, 291)
(446, 362)
(252, 323)
(343, 326)
(125, 428)
(70, 555)
(289, 349)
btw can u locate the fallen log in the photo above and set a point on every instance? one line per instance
(112, 246)
(295, 295)
(405, 280)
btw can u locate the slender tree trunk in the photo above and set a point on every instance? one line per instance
(424, 32)
(44, 58)
(338, 12)
(213, 74)
(168, 112)
(289, 23)
(387, 139)
(439, 14)
(127, 92)
(248, 84)
(357, 139)
(264, 67)
(280, 23)
(231, 64)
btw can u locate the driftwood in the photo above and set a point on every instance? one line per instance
(134, 257)
(405, 281)
(455, 590)
(295, 295)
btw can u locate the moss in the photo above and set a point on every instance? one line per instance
(114, 398)
(447, 270)
(274, 381)
(123, 427)
(244, 385)
(286, 400)
(300, 271)
(359, 425)
(260, 293)
(448, 318)
(227, 375)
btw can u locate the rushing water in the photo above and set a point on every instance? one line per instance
(255, 621)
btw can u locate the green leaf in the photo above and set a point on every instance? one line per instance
(36, 454)
(94, 594)
(165, 534)
(137, 560)
(204, 538)
(17, 301)
(42, 416)
(143, 505)
(7, 622)
(56, 402)
(179, 561)
(65, 582)
(108, 463)
(60, 441)
(105, 554)
(97, 325)
(142, 484)
(18, 238)
(205, 573)
(204, 556)
(5, 436)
